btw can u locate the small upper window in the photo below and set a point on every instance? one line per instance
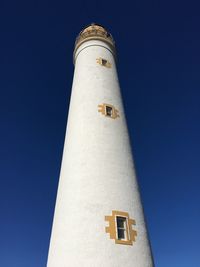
(121, 228)
(109, 111)
(104, 62)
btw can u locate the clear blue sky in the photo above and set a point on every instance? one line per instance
(158, 46)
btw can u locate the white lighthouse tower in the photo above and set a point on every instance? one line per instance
(98, 220)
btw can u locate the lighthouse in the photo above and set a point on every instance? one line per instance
(98, 219)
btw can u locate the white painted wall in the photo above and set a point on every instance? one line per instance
(97, 173)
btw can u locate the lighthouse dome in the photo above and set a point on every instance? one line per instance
(94, 32)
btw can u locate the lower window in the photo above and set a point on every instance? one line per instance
(122, 231)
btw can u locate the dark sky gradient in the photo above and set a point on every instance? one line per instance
(158, 46)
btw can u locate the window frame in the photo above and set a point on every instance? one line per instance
(104, 62)
(111, 109)
(125, 228)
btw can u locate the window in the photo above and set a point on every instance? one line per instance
(109, 111)
(121, 228)
(104, 62)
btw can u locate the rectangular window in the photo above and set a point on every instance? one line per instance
(121, 228)
(104, 62)
(109, 111)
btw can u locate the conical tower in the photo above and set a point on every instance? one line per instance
(98, 220)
